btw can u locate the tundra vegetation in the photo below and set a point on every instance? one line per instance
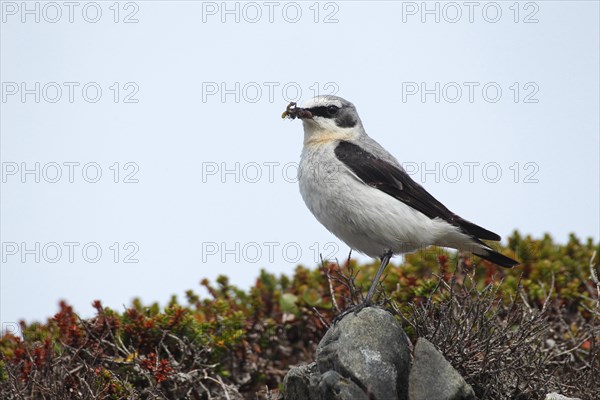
(512, 334)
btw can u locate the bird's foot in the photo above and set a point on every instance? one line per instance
(352, 309)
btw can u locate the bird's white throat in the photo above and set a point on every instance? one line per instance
(319, 131)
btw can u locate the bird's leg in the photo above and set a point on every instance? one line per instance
(385, 259)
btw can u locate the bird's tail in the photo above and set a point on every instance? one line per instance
(495, 257)
(473, 244)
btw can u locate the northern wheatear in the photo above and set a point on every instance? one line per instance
(361, 193)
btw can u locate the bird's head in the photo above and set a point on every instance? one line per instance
(326, 116)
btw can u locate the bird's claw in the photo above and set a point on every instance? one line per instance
(352, 309)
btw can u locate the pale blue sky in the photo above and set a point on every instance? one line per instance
(184, 216)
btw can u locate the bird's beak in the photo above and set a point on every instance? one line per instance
(293, 112)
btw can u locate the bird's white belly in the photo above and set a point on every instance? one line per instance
(365, 218)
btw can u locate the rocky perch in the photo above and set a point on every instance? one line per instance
(368, 356)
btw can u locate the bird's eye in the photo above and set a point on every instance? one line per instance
(332, 110)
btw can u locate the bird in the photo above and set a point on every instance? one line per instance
(361, 193)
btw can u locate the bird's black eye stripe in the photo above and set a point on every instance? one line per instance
(324, 111)
(332, 110)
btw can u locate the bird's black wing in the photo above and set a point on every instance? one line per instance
(392, 180)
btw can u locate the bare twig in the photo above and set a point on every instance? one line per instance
(328, 277)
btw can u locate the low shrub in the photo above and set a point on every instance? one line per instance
(513, 334)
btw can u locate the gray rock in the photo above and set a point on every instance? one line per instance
(297, 382)
(557, 396)
(333, 386)
(306, 383)
(371, 350)
(432, 376)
